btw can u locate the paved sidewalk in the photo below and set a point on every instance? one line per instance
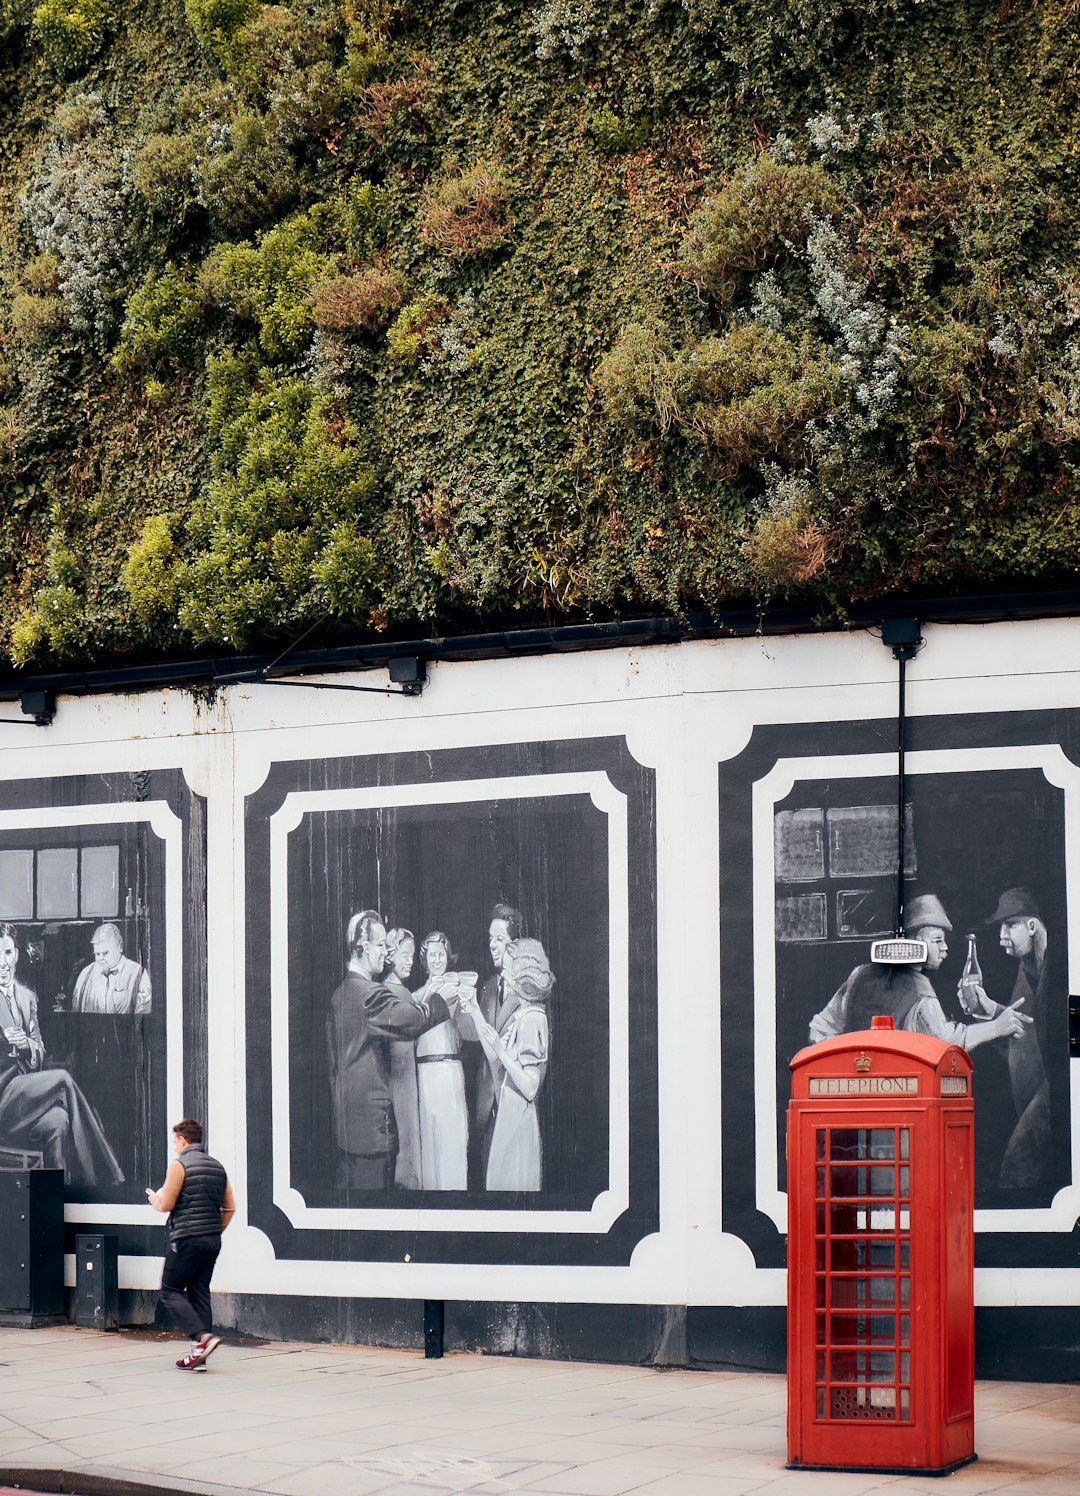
(312, 1420)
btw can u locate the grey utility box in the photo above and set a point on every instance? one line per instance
(97, 1286)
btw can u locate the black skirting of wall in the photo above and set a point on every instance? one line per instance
(1023, 1345)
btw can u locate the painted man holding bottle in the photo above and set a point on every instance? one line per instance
(1022, 935)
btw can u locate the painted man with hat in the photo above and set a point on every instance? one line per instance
(905, 992)
(1022, 935)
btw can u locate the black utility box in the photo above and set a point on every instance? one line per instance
(31, 1246)
(97, 1285)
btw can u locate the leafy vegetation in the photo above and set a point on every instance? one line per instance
(343, 316)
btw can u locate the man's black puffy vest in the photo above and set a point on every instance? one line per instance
(197, 1211)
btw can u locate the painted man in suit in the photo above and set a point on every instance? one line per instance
(366, 1018)
(42, 1110)
(496, 1003)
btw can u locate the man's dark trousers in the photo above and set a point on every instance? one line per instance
(185, 1282)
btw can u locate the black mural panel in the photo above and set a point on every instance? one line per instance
(984, 858)
(452, 1051)
(84, 942)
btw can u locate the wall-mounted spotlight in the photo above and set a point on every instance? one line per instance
(38, 709)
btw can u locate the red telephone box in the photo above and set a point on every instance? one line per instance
(881, 1255)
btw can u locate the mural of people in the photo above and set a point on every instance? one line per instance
(112, 982)
(517, 1054)
(1022, 936)
(906, 994)
(366, 1019)
(42, 1109)
(444, 1117)
(401, 951)
(506, 925)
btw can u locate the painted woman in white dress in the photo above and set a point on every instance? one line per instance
(440, 1077)
(518, 1056)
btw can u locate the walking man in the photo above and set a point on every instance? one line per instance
(199, 1198)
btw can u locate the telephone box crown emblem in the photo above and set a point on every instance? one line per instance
(862, 1061)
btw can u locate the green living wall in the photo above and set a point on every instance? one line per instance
(346, 318)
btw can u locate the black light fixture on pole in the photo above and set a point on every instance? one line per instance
(904, 637)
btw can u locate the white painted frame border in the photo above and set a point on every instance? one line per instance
(775, 786)
(610, 1203)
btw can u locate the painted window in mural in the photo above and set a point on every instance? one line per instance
(449, 966)
(985, 874)
(82, 1057)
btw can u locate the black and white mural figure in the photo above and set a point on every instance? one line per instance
(517, 1056)
(367, 1018)
(1023, 937)
(42, 1110)
(504, 927)
(404, 1094)
(440, 1077)
(907, 995)
(112, 982)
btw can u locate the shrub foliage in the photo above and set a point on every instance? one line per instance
(342, 315)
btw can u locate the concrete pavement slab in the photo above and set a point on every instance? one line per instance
(313, 1420)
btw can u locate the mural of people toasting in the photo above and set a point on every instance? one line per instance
(457, 883)
(401, 1115)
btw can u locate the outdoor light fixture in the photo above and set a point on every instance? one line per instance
(38, 709)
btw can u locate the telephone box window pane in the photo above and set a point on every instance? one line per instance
(820, 1144)
(819, 1250)
(820, 1294)
(863, 1292)
(905, 1366)
(821, 1322)
(862, 1252)
(821, 1402)
(852, 1180)
(819, 1364)
(905, 1329)
(904, 1143)
(862, 1143)
(863, 1329)
(905, 1291)
(865, 1403)
(905, 1252)
(904, 1183)
(845, 1220)
(58, 883)
(820, 1173)
(858, 1366)
(819, 1220)
(799, 845)
(100, 879)
(16, 885)
(905, 1403)
(802, 917)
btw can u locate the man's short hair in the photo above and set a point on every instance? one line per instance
(360, 927)
(514, 919)
(10, 932)
(188, 1129)
(108, 929)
